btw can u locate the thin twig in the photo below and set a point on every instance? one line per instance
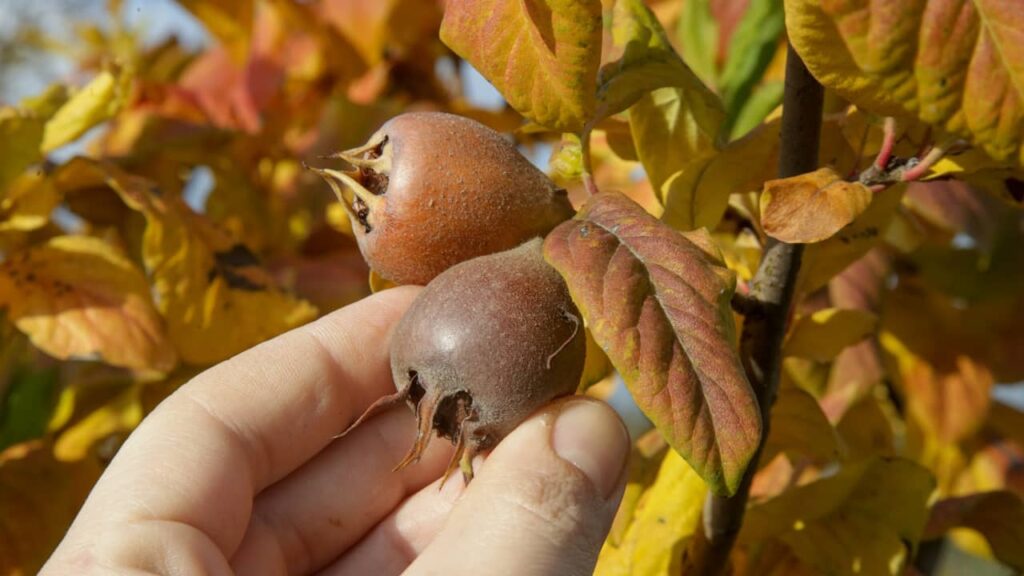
(761, 342)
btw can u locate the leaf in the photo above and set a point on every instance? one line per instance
(955, 65)
(542, 55)
(27, 203)
(39, 497)
(641, 59)
(698, 32)
(799, 426)
(79, 297)
(216, 297)
(21, 133)
(230, 21)
(998, 516)
(859, 521)
(667, 515)
(121, 415)
(659, 305)
(811, 207)
(95, 102)
(676, 129)
(377, 283)
(29, 400)
(751, 49)
(823, 260)
(823, 334)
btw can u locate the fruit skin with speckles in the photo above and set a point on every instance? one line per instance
(432, 189)
(483, 346)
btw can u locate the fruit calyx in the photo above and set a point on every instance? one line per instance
(359, 190)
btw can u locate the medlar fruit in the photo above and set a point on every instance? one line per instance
(430, 190)
(484, 345)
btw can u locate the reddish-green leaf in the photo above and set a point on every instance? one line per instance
(659, 304)
(998, 516)
(542, 55)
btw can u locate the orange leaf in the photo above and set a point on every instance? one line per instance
(811, 207)
(79, 297)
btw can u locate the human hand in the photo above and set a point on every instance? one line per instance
(239, 472)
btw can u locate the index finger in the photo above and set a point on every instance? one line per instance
(242, 425)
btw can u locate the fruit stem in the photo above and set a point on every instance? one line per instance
(761, 342)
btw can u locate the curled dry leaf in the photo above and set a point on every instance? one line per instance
(78, 297)
(811, 207)
(659, 304)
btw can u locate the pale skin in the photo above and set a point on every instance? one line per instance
(239, 472)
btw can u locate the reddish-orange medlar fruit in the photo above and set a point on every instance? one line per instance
(483, 346)
(431, 190)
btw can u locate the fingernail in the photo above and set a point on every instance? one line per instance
(590, 436)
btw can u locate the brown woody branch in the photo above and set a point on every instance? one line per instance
(764, 328)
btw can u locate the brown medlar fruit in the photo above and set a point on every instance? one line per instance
(483, 346)
(430, 190)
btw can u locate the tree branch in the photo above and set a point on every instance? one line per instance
(763, 330)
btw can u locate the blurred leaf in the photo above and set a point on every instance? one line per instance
(645, 461)
(79, 297)
(824, 334)
(864, 519)
(542, 56)
(954, 65)
(230, 21)
(29, 401)
(763, 99)
(866, 430)
(698, 36)
(751, 49)
(215, 296)
(121, 415)
(95, 102)
(21, 133)
(665, 518)
(641, 59)
(596, 365)
(824, 260)
(811, 207)
(39, 497)
(27, 203)
(998, 516)
(799, 426)
(659, 305)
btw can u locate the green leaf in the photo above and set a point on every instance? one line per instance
(756, 108)
(31, 398)
(697, 33)
(997, 515)
(860, 520)
(751, 49)
(641, 59)
(957, 65)
(542, 55)
(659, 304)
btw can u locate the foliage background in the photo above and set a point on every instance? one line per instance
(154, 220)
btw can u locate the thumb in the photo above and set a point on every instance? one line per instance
(543, 501)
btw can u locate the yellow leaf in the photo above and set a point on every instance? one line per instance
(121, 415)
(377, 283)
(858, 521)
(97, 101)
(955, 65)
(667, 515)
(20, 135)
(799, 425)
(39, 497)
(541, 56)
(214, 293)
(811, 207)
(230, 21)
(822, 335)
(78, 297)
(27, 203)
